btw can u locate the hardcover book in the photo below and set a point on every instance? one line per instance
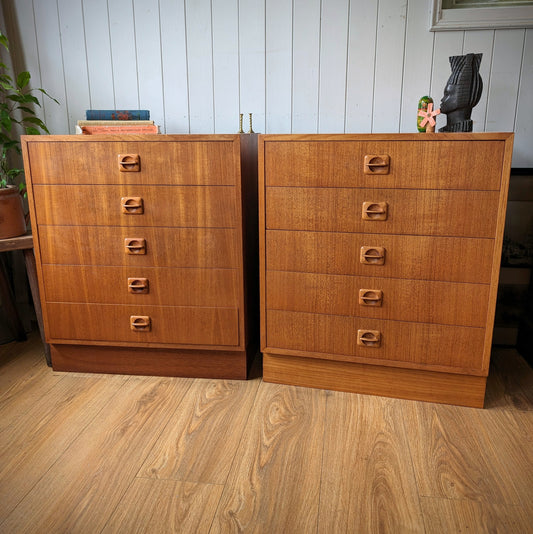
(117, 114)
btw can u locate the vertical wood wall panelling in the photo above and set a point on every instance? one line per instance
(252, 61)
(278, 57)
(197, 63)
(390, 45)
(174, 66)
(98, 56)
(522, 154)
(504, 80)
(448, 43)
(200, 65)
(476, 42)
(148, 43)
(361, 65)
(417, 63)
(305, 65)
(74, 60)
(123, 50)
(225, 19)
(51, 66)
(333, 54)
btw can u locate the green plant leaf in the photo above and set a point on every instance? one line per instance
(4, 41)
(30, 130)
(23, 79)
(24, 99)
(5, 120)
(45, 93)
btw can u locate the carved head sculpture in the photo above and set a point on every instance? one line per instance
(462, 92)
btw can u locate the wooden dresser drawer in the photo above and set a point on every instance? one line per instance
(380, 298)
(388, 211)
(164, 324)
(164, 247)
(161, 161)
(146, 285)
(419, 164)
(419, 345)
(130, 205)
(450, 259)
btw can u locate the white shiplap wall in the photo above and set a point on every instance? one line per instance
(315, 66)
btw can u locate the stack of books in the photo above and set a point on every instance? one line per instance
(116, 121)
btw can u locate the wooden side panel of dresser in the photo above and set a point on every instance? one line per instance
(379, 261)
(141, 243)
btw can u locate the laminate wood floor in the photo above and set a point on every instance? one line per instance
(87, 453)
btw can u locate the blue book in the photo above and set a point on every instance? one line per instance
(117, 114)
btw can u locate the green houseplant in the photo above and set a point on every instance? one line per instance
(17, 114)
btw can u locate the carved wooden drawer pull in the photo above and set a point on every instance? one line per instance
(371, 297)
(372, 255)
(129, 162)
(375, 211)
(138, 286)
(135, 245)
(376, 164)
(140, 323)
(369, 338)
(132, 205)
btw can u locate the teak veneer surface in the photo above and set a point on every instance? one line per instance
(166, 286)
(402, 300)
(414, 345)
(414, 212)
(175, 160)
(186, 206)
(337, 161)
(187, 325)
(94, 245)
(450, 259)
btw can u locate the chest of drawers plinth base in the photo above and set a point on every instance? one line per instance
(413, 384)
(230, 365)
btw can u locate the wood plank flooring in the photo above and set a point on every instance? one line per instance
(88, 453)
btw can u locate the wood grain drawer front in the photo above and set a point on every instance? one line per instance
(418, 345)
(167, 324)
(149, 285)
(413, 164)
(450, 259)
(112, 205)
(165, 247)
(417, 212)
(396, 299)
(161, 162)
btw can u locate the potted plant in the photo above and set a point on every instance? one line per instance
(16, 108)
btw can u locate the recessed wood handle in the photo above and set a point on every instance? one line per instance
(138, 286)
(135, 245)
(372, 255)
(129, 162)
(132, 205)
(371, 297)
(369, 338)
(140, 323)
(375, 211)
(376, 164)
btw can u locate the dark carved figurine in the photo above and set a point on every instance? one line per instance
(462, 93)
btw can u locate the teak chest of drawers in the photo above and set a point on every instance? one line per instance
(379, 261)
(146, 250)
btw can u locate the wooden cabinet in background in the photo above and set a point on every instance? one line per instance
(146, 251)
(379, 261)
